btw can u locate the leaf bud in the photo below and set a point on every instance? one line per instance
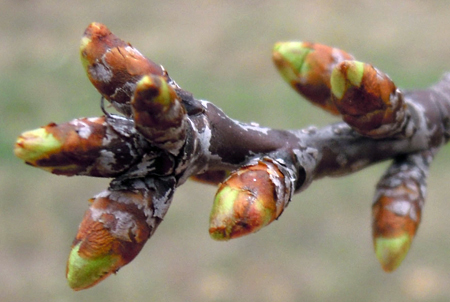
(307, 68)
(368, 100)
(249, 199)
(158, 113)
(114, 66)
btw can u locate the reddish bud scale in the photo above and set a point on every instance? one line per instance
(396, 214)
(368, 100)
(397, 209)
(114, 66)
(111, 228)
(115, 228)
(307, 68)
(86, 146)
(158, 113)
(395, 218)
(251, 198)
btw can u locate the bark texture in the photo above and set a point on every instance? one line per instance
(165, 135)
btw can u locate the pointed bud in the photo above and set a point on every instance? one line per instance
(114, 66)
(86, 146)
(396, 212)
(111, 234)
(115, 228)
(307, 68)
(393, 231)
(368, 99)
(251, 198)
(158, 113)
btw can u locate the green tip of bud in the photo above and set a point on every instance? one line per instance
(157, 88)
(337, 81)
(238, 212)
(347, 72)
(84, 43)
(355, 72)
(391, 251)
(36, 144)
(221, 218)
(83, 273)
(290, 58)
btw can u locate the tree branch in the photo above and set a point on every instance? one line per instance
(165, 136)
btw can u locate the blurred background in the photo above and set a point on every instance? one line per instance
(321, 247)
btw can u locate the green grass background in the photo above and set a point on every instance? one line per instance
(321, 247)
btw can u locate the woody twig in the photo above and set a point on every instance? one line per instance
(164, 136)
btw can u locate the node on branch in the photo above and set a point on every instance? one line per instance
(165, 136)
